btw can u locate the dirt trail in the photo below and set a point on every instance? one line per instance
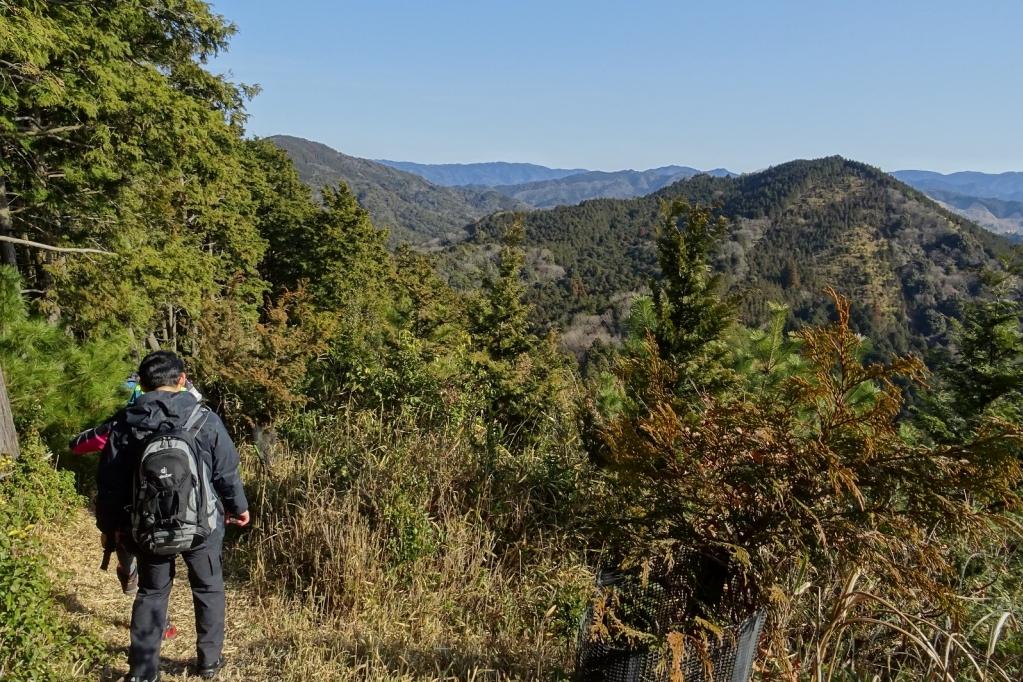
(93, 599)
(268, 639)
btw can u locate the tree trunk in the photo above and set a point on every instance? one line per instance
(7, 253)
(8, 436)
(172, 327)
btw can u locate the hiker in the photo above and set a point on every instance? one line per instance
(168, 484)
(92, 441)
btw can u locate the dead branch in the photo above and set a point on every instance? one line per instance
(59, 249)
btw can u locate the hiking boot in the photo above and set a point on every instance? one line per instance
(132, 677)
(208, 672)
(129, 580)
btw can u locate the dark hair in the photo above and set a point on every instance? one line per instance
(160, 368)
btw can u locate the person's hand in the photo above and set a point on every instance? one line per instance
(241, 520)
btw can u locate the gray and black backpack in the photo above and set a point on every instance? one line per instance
(173, 507)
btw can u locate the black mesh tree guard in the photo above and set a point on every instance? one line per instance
(667, 601)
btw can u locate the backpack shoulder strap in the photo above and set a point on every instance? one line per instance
(196, 420)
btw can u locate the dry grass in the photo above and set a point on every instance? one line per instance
(268, 638)
(852, 631)
(400, 537)
(361, 566)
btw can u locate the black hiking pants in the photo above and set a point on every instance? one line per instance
(149, 613)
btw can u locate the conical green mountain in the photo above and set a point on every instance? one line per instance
(796, 228)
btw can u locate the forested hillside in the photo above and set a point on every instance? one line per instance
(411, 208)
(906, 263)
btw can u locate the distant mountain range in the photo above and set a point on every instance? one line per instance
(483, 174)
(624, 184)
(907, 262)
(993, 200)
(542, 187)
(421, 204)
(432, 203)
(997, 215)
(1005, 186)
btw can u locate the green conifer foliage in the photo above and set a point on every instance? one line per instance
(764, 358)
(349, 260)
(56, 385)
(286, 217)
(985, 377)
(433, 338)
(115, 136)
(503, 324)
(683, 324)
(687, 298)
(99, 92)
(525, 378)
(350, 276)
(430, 309)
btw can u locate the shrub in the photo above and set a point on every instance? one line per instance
(801, 482)
(35, 644)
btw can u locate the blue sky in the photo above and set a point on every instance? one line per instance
(607, 85)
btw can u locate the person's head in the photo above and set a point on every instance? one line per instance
(162, 369)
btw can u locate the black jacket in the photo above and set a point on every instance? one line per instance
(161, 411)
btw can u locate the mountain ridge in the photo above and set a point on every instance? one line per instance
(907, 262)
(543, 187)
(1007, 186)
(486, 174)
(623, 184)
(412, 208)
